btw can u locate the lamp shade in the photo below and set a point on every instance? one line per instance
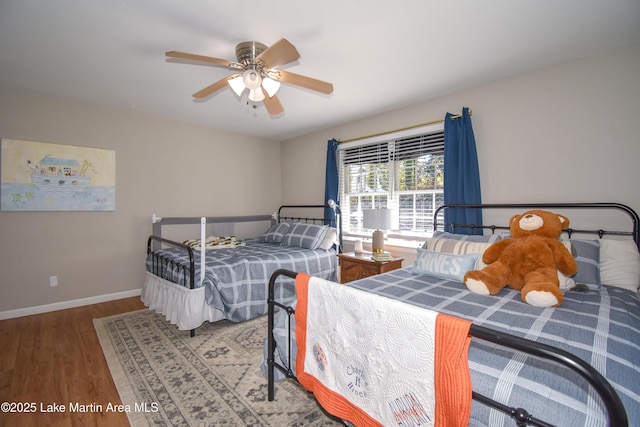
(379, 219)
(237, 84)
(256, 95)
(271, 86)
(251, 79)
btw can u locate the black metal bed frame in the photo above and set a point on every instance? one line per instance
(335, 222)
(616, 413)
(635, 220)
(161, 264)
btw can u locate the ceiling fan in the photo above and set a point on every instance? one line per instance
(256, 71)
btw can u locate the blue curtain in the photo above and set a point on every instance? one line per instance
(331, 180)
(461, 173)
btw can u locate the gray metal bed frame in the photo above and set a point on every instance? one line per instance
(160, 263)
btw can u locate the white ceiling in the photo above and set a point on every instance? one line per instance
(380, 55)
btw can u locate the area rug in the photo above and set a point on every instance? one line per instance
(167, 378)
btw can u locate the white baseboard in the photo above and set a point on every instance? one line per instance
(28, 311)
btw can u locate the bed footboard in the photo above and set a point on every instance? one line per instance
(161, 265)
(616, 414)
(271, 342)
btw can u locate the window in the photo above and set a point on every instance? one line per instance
(403, 172)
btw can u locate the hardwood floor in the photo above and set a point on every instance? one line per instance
(55, 359)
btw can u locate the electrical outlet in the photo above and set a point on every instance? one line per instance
(53, 281)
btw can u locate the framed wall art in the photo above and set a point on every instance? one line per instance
(38, 176)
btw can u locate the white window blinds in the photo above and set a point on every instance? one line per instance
(403, 173)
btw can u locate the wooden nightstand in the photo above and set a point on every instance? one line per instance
(356, 266)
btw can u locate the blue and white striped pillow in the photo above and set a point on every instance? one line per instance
(461, 244)
(442, 236)
(275, 234)
(308, 236)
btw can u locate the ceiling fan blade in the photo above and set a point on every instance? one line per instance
(281, 52)
(299, 80)
(209, 90)
(273, 105)
(201, 58)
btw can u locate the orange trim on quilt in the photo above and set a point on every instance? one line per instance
(302, 288)
(332, 402)
(452, 377)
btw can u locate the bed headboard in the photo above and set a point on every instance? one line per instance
(312, 214)
(294, 213)
(630, 230)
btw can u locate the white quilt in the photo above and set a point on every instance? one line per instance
(372, 360)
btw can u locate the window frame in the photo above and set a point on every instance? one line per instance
(392, 194)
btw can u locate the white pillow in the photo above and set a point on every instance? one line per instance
(330, 239)
(620, 264)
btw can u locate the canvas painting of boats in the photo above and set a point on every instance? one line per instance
(38, 176)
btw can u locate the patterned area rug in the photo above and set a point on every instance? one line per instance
(168, 378)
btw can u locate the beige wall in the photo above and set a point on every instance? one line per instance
(566, 133)
(570, 132)
(162, 167)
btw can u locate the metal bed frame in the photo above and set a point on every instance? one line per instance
(616, 413)
(635, 220)
(160, 264)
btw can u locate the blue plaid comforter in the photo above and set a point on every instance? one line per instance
(602, 327)
(237, 279)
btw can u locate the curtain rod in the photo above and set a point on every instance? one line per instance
(457, 116)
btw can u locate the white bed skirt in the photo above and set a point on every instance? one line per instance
(184, 307)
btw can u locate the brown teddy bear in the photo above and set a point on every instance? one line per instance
(528, 261)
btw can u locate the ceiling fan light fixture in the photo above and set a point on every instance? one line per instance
(256, 95)
(251, 79)
(237, 84)
(271, 86)
(257, 64)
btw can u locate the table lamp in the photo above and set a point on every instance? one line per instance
(378, 219)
